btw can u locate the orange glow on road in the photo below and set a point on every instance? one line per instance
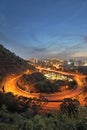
(11, 86)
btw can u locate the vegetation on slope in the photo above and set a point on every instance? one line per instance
(31, 119)
(11, 64)
(37, 82)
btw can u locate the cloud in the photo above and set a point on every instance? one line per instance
(37, 49)
(80, 54)
(35, 38)
(77, 47)
(85, 39)
(76, 50)
(4, 38)
(58, 49)
(27, 52)
(22, 50)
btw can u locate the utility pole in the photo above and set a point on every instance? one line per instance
(3, 88)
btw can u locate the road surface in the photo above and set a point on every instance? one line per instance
(11, 86)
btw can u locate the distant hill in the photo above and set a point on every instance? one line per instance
(11, 64)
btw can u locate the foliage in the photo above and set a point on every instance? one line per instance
(52, 121)
(37, 82)
(26, 115)
(70, 107)
(72, 84)
(33, 78)
(10, 63)
(20, 104)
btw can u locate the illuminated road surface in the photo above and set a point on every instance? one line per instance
(10, 86)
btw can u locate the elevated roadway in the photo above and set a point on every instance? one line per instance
(11, 86)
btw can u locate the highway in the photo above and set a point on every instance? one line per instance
(11, 86)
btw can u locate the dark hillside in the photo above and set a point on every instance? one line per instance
(11, 64)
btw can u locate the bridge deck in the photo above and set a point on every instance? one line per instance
(50, 100)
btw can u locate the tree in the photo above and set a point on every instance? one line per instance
(70, 107)
(39, 123)
(29, 125)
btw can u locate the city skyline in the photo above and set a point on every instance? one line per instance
(44, 28)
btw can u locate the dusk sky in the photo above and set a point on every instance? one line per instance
(44, 28)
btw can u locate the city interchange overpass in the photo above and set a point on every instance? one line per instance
(53, 99)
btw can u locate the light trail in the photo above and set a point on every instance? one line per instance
(11, 86)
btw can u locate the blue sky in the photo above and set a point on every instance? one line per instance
(44, 28)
